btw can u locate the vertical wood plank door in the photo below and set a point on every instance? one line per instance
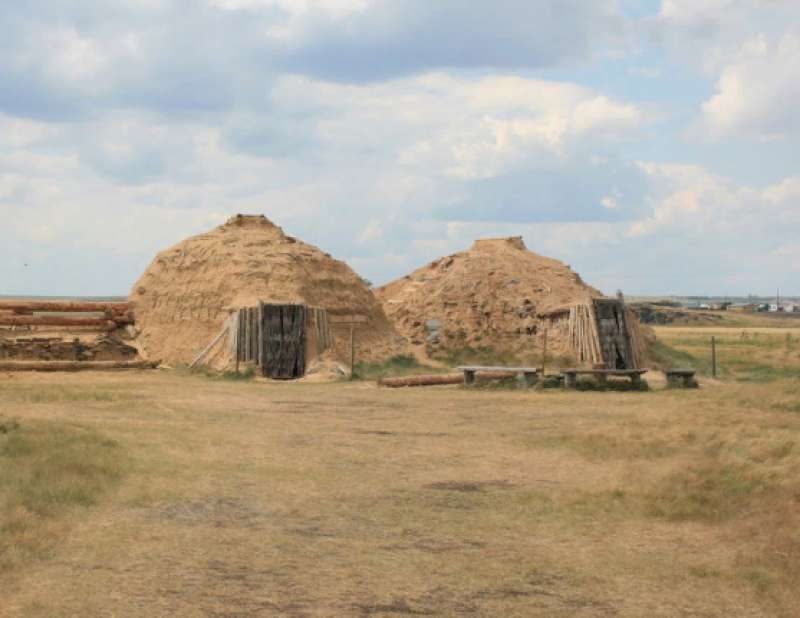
(284, 341)
(612, 329)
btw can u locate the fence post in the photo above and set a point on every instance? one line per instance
(713, 356)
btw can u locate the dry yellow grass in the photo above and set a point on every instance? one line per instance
(254, 499)
(47, 471)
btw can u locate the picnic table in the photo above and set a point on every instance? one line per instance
(571, 375)
(529, 374)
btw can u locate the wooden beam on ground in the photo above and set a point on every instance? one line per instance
(76, 365)
(440, 379)
(423, 380)
(48, 320)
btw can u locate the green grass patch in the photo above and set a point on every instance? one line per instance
(206, 372)
(603, 447)
(499, 384)
(702, 571)
(397, 366)
(36, 394)
(237, 376)
(664, 356)
(715, 492)
(793, 407)
(46, 471)
(749, 371)
(760, 579)
(484, 356)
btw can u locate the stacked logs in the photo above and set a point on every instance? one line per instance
(106, 316)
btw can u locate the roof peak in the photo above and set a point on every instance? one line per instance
(494, 244)
(250, 221)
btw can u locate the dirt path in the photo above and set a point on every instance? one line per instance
(339, 500)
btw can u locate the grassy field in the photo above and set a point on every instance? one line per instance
(210, 497)
(48, 471)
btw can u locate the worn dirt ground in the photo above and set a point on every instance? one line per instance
(256, 499)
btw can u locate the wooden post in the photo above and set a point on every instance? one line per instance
(235, 322)
(544, 352)
(352, 350)
(260, 337)
(713, 357)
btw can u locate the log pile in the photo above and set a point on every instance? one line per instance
(102, 316)
(49, 320)
(66, 349)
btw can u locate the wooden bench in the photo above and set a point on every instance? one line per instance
(681, 377)
(529, 374)
(571, 375)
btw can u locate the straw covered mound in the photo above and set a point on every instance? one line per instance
(184, 297)
(492, 296)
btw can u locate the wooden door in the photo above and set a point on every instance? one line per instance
(614, 338)
(284, 341)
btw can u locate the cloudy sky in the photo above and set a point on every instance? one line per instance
(652, 145)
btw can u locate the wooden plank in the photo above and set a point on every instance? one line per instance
(302, 320)
(260, 335)
(272, 336)
(249, 334)
(208, 348)
(240, 337)
(254, 334)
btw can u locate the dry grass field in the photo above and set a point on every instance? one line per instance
(153, 494)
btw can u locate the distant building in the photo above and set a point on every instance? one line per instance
(744, 307)
(784, 307)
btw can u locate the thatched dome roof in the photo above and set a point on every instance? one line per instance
(183, 298)
(493, 295)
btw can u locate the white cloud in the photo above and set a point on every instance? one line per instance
(465, 128)
(693, 202)
(706, 33)
(390, 131)
(759, 92)
(609, 202)
(785, 192)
